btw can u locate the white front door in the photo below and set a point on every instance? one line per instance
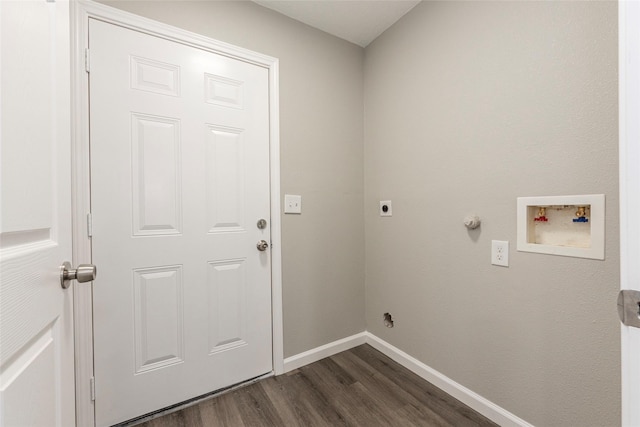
(629, 14)
(36, 317)
(179, 180)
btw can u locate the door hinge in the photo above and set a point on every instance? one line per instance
(89, 225)
(92, 388)
(87, 61)
(629, 307)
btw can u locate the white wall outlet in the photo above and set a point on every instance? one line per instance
(385, 208)
(292, 204)
(500, 253)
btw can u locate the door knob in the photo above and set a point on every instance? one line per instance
(84, 273)
(262, 245)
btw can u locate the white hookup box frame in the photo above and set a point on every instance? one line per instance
(570, 225)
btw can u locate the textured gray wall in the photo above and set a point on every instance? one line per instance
(321, 116)
(469, 105)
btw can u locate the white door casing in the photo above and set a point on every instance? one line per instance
(629, 72)
(179, 179)
(36, 315)
(82, 12)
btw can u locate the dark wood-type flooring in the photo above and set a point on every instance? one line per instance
(359, 387)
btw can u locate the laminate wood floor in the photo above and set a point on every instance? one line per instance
(358, 387)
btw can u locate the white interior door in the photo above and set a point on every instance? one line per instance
(629, 13)
(179, 179)
(36, 328)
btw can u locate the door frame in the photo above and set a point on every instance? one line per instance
(81, 12)
(629, 104)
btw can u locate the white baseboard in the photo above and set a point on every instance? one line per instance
(478, 403)
(318, 353)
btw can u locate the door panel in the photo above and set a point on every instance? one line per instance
(179, 178)
(159, 338)
(156, 168)
(36, 332)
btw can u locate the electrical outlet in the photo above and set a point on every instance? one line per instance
(500, 253)
(385, 208)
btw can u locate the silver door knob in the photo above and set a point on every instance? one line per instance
(262, 245)
(84, 273)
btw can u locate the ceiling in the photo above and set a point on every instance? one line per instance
(357, 21)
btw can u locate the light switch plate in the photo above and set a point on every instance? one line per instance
(292, 204)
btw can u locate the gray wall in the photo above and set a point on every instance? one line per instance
(321, 116)
(469, 105)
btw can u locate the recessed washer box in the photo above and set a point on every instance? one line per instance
(562, 225)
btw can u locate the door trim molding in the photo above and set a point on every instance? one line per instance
(629, 152)
(81, 12)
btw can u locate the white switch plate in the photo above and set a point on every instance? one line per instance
(500, 253)
(292, 204)
(385, 208)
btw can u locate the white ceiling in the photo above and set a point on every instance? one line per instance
(358, 21)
